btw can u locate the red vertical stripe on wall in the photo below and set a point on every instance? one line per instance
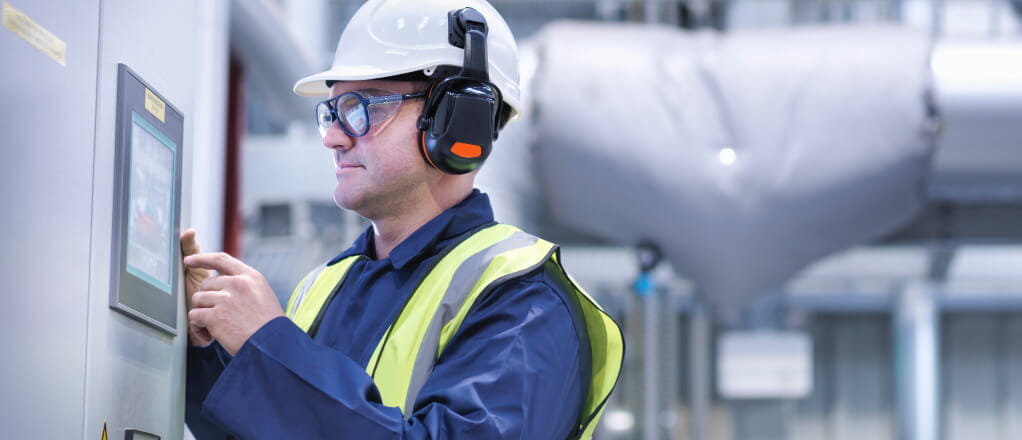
(232, 173)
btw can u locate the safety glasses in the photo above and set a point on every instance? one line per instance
(356, 112)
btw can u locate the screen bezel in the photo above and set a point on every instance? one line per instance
(131, 294)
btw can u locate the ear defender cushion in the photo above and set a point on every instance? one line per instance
(460, 117)
(458, 124)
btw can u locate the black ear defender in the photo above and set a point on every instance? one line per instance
(460, 117)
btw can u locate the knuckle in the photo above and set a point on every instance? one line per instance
(249, 278)
(231, 283)
(216, 314)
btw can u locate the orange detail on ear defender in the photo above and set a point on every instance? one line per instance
(468, 151)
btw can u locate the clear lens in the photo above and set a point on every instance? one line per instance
(382, 104)
(353, 114)
(323, 118)
(356, 117)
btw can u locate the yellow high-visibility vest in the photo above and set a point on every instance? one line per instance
(412, 344)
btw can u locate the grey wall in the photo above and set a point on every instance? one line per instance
(853, 389)
(135, 374)
(46, 204)
(982, 392)
(71, 362)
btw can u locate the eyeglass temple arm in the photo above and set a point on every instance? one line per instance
(393, 98)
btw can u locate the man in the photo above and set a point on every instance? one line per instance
(437, 322)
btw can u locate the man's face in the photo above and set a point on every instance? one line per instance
(377, 173)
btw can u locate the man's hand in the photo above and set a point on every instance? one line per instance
(232, 305)
(193, 280)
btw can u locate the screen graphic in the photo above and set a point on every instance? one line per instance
(150, 205)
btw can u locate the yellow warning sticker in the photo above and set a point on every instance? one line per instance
(104, 431)
(36, 35)
(155, 105)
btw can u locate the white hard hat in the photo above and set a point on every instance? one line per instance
(392, 37)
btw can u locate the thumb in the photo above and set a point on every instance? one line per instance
(189, 245)
(193, 275)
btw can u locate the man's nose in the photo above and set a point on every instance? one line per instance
(335, 137)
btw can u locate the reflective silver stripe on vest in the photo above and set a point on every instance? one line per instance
(465, 278)
(306, 286)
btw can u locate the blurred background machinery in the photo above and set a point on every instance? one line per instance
(848, 172)
(835, 186)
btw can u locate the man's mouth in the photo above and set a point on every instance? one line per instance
(347, 166)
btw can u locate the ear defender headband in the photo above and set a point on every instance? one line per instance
(459, 119)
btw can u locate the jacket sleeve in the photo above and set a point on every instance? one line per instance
(204, 366)
(511, 371)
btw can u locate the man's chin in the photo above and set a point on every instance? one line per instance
(345, 201)
(357, 202)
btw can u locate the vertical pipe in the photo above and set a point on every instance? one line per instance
(916, 360)
(937, 18)
(699, 373)
(894, 10)
(310, 17)
(210, 123)
(672, 14)
(701, 12)
(651, 11)
(650, 365)
(994, 18)
(232, 172)
(670, 364)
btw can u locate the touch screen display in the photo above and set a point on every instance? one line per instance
(150, 205)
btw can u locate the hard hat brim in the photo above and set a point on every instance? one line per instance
(315, 85)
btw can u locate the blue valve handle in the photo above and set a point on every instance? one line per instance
(644, 285)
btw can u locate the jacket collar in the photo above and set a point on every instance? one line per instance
(473, 212)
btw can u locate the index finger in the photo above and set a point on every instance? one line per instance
(218, 261)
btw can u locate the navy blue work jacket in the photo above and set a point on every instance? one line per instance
(511, 371)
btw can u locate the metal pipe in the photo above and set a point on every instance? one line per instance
(651, 11)
(260, 36)
(994, 18)
(916, 360)
(650, 365)
(210, 122)
(699, 373)
(937, 18)
(671, 363)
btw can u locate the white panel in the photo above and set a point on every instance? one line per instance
(135, 374)
(46, 202)
(761, 365)
(852, 396)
